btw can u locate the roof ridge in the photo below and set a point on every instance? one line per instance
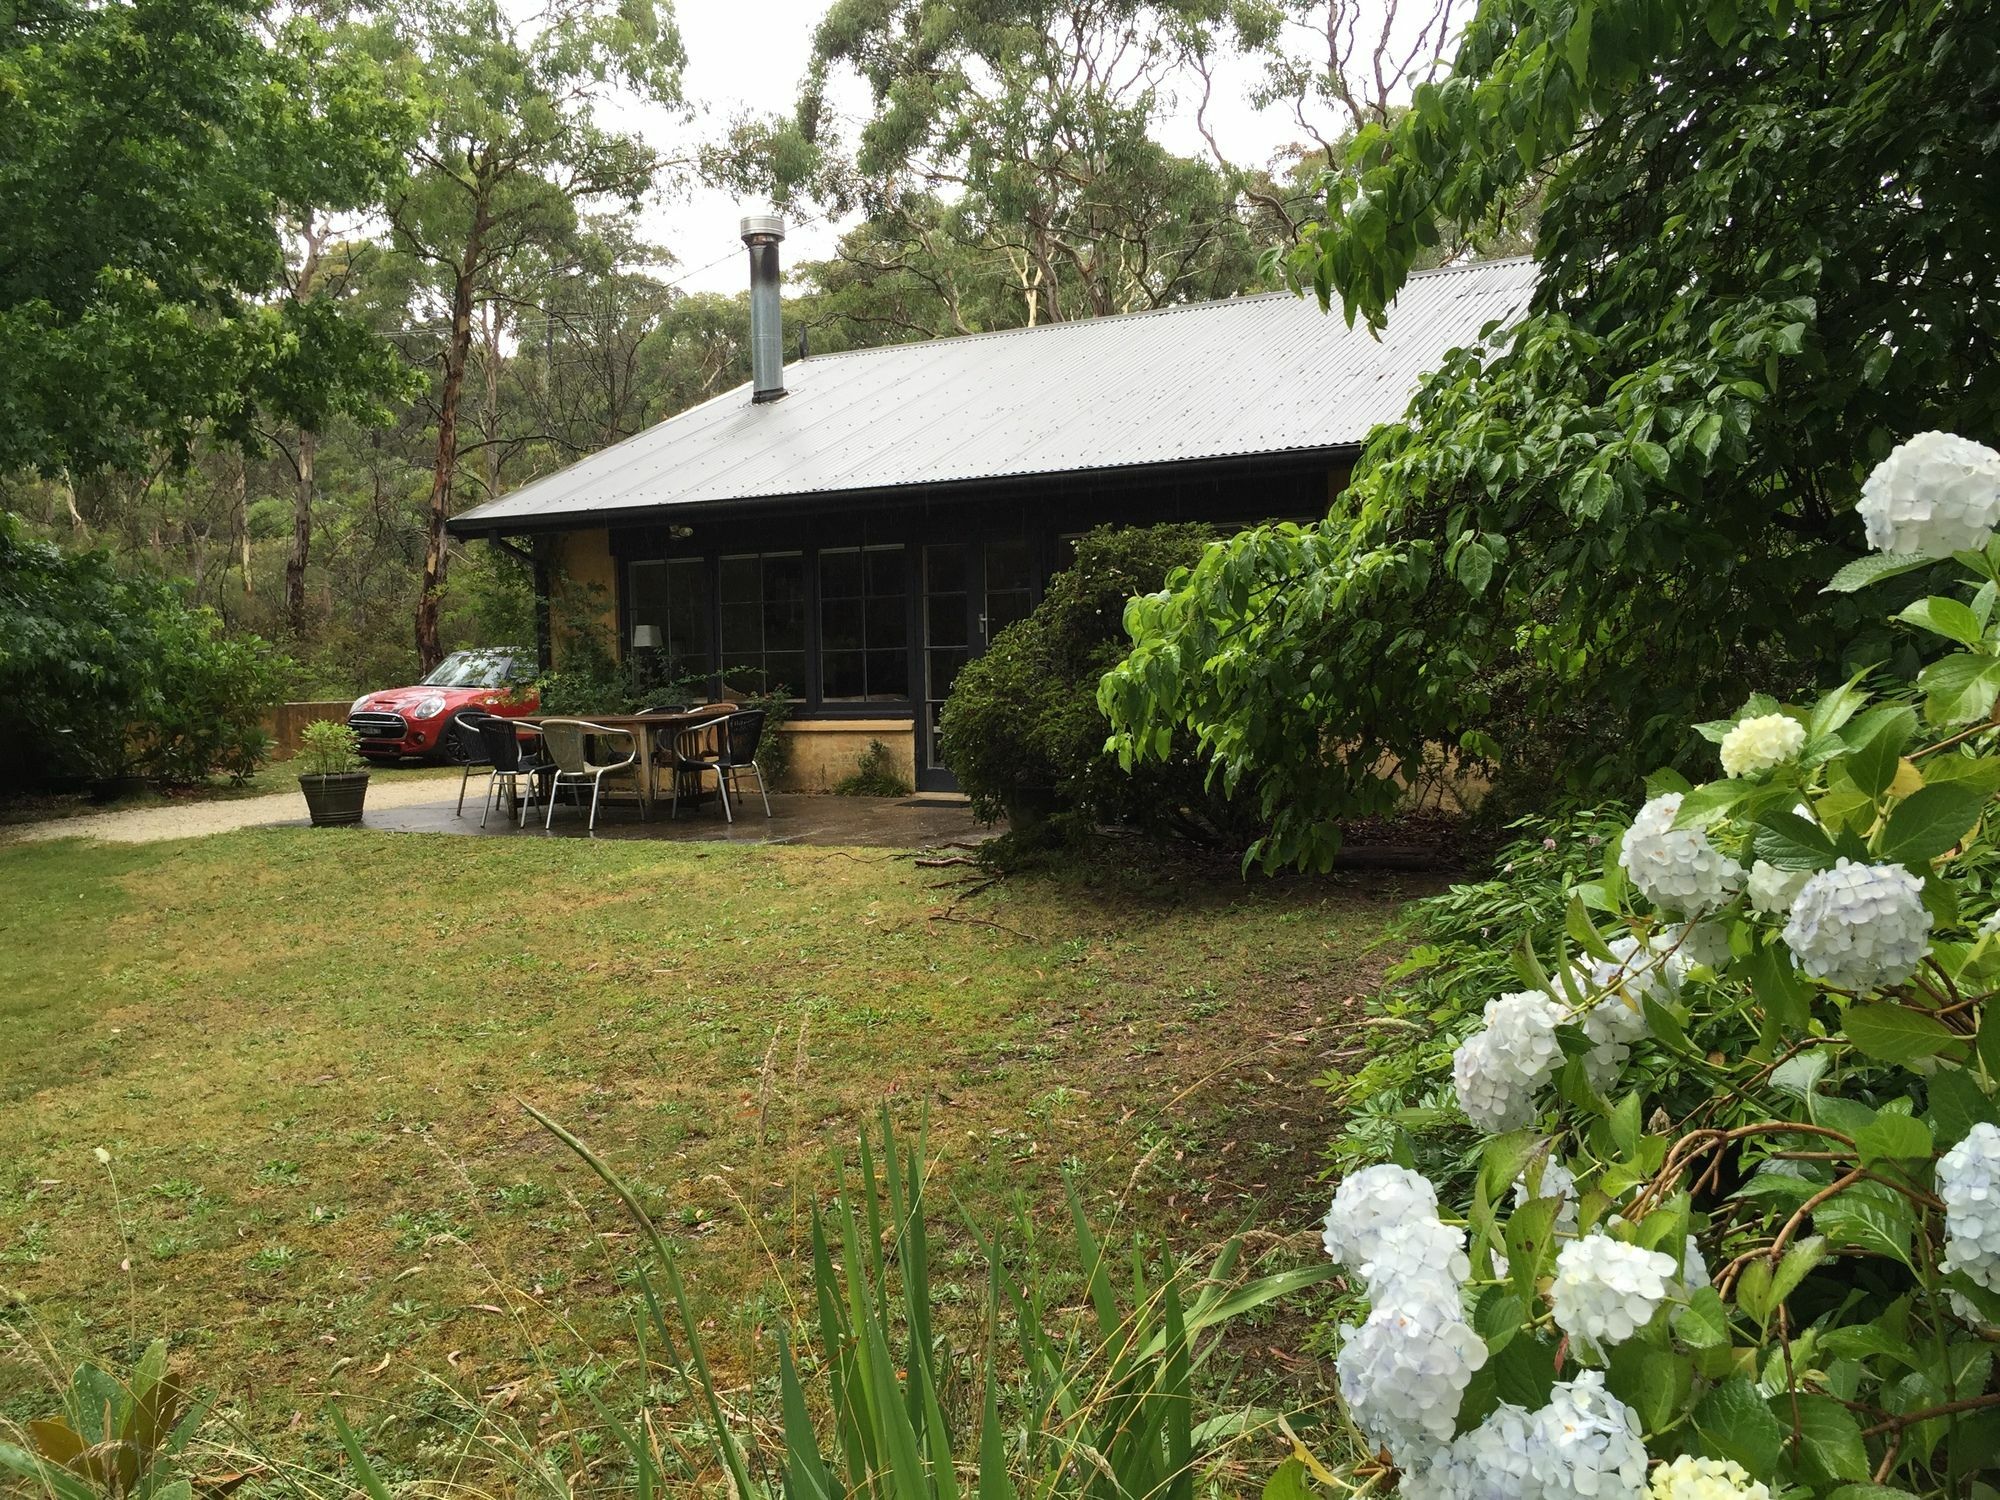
(1170, 309)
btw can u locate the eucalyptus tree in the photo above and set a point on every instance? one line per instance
(1770, 248)
(511, 153)
(1038, 120)
(148, 152)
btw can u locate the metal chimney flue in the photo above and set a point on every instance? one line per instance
(763, 233)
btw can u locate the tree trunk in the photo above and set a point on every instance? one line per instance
(302, 524)
(295, 565)
(239, 516)
(430, 645)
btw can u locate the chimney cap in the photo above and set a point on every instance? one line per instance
(762, 229)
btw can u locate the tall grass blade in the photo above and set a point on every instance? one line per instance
(364, 1471)
(806, 1474)
(725, 1437)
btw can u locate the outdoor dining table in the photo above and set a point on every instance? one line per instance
(649, 733)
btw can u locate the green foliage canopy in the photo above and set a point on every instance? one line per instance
(1767, 252)
(148, 151)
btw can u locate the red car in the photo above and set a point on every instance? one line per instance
(410, 721)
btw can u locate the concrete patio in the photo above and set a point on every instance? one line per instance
(796, 818)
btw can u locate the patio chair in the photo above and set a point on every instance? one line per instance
(742, 733)
(694, 751)
(513, 759)
(571, 743)
(466, 745)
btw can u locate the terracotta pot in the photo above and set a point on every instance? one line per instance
(335, 800)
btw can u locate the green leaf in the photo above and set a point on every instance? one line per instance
(1830, 1439)
(1735, 1422)
(1930, 821)
(1785, 996)
(1705, 804)
(1788, 841)
(1946, 617)
(1959, 689)
(1957, 1103)
(1873, 765)
(1873, 569)
(1894, 1138)
(1288, 1482)
(1498, 1317)
(1895, 1033)
(1651, 1380)
(1868, 1217)
(1704, 1323)
(1530, 1243)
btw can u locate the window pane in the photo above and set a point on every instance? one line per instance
(842, 674)
(889, 674)
(946, 620)
(864, 624)
(840, 575)
(740, 577)
(840, 624)
(944, 568)
(1007, 566)
(742, 631)
(787, 670)
(888, 623)
(885, 571)
(784, 625)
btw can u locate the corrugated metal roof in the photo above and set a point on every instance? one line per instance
(1206, 380)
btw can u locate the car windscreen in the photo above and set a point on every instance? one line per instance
(473, 669)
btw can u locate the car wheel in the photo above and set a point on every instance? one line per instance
(451, 749)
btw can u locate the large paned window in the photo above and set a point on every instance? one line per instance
(671, 596)
(864, 625)
(763, 612)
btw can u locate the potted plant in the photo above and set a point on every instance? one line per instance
(331, 773)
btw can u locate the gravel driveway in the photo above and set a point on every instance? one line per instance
(148, 825)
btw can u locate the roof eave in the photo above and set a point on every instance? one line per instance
(471, 526)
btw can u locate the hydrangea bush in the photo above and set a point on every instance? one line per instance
(1735, 1228)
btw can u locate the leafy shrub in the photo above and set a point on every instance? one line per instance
(327, 747)
(213, 691)
(1022, 729)
(1734, 1211)
(108, 674)
(874, 775)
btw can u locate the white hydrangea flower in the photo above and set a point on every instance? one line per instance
(1370, 1201)
(1585, 1445)
(1419, 1258)
(1558, 1182)
(1694, 1267)
(1968, 1180)
(1761, 744)
(1494, 1461)
(1962, 1309)
(1617, 1020)
(1990, 926)
(1932, 496)
(1676, 869)
(1499, 1069)
(1689, 1478)
(1403, 1374)
(1773, 890)
(1606, 1290)
(1859, 926)
(1697, 943)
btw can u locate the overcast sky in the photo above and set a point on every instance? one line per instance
(750, 57)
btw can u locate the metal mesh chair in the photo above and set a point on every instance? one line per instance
(513, 761)
(742, 733)
(467, 746)
(570, 744)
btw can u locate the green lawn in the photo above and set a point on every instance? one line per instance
(304, 1051)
